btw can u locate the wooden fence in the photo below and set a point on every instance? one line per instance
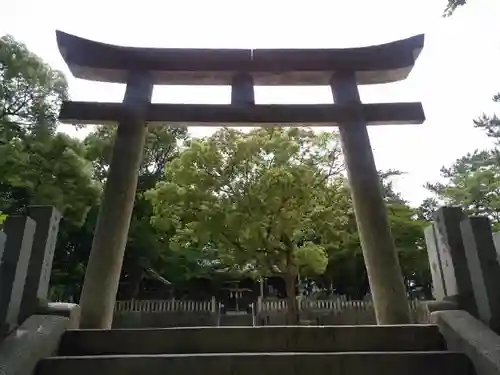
(338, 311)
(340, 304)
(170, 313)
(166, 306)
(305, 304)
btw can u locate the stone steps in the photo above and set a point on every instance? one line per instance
(271, 350)
(388, 363)
(252, 339)
(245, 320)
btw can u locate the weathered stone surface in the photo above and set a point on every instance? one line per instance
(259, 114)
(69, 310)
(438, 285)
(228, 320)
(410, 363)
(382, 265)
(496, 241)
(139, 319)
(483, 268)
(38, 337)
(250, 339)
(20, 231)
(3, 239)
(441, 305)
(453, 259)
(466, 334)
(4, 328)
(47, 220)
(108, 247)
(372, 65)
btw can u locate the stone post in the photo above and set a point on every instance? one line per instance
(214, 305)
(381, 260)
(3, 306)
(439, 287)
(36, 288)
(483, 268)
(496, 241)
(110, 237)
(453, 259)
(3, 239)
(19, 231)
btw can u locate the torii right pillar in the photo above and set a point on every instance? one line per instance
(379, 251)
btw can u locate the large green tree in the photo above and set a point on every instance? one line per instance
(38, 166)
(269, 201)
(146, 247)
(30, 91)
(346, 272)
(473, 181)
(47, 169)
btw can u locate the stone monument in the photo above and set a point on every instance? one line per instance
(448, 261)
(27, 245)
(19, 231)
(36, 286)
(484, 268)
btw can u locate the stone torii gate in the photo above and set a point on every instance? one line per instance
(141, 68)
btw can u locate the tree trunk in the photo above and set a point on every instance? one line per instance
(291, 297)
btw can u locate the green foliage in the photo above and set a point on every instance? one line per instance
(271, 201)
(407, 226)
(408, 231)
(47, 170)
(473, 181)
(71, 256)
(346, 272)
(146, 247)
(30, 91)
(490, 123)
(259, 198)
(427, 208)
(452, 6)
(161, 145)
(38, 166)
(311, 259)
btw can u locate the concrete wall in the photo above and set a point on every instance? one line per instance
(142, 319)
(236, 320)
(348, 317)
(38, 337)
(353, 313)
(466, 334)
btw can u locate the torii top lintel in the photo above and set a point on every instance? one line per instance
(97, 61)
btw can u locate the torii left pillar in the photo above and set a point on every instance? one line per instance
(110, 238)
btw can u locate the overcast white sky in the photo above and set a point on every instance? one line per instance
(455, 76)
